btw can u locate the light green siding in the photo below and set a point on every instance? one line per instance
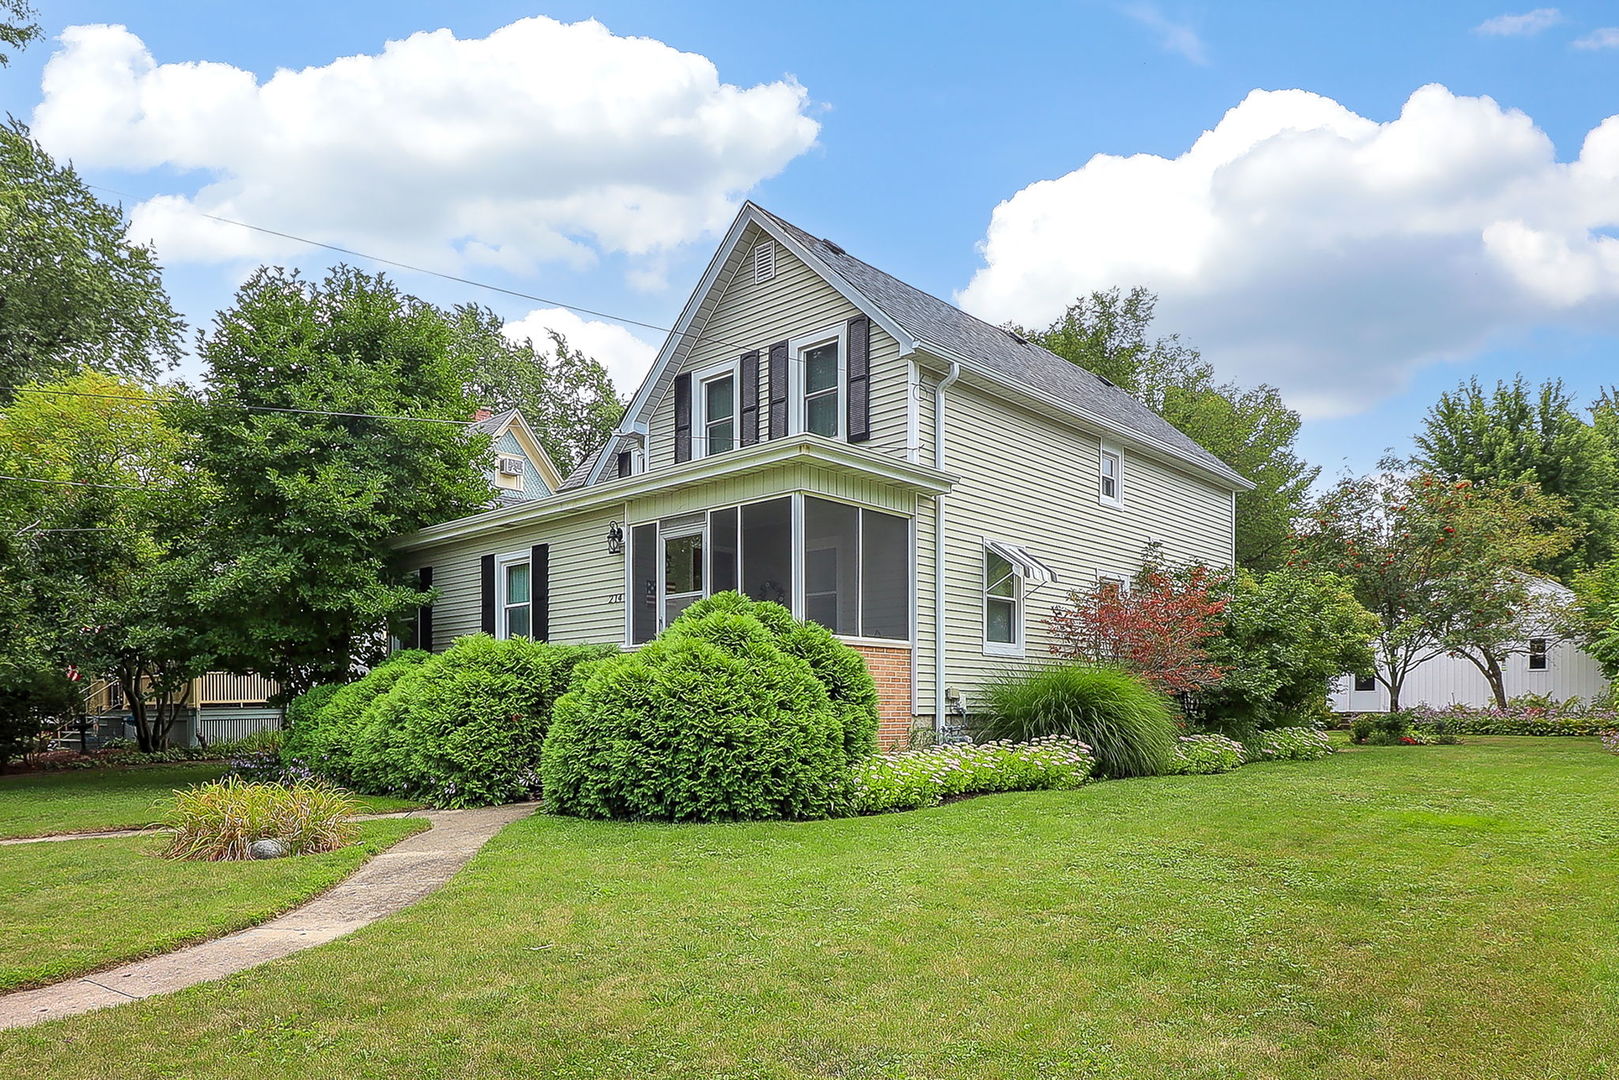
(1033, 482)
(795, 302)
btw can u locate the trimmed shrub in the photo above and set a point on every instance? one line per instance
(466, 727)
(714, 723)
(1128, 725)
(917, 778)
(1292, 744)
(1205, 755)
(325, 738)
(842, 670)
(303, 710)
(222, 820)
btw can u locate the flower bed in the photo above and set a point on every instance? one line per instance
(1610, 741)
(917, 778)
(1536, 717)
(1205, 755)
(1292, 744)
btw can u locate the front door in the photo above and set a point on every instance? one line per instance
(682, 572)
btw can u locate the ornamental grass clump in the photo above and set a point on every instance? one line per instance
(1128, 726)
(1292, 744)
(1205, 755)
(917, 778)
(222, 820)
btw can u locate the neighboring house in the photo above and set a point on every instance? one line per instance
(1545, 663)
(220, 707)
(815, 432)
(521, 470)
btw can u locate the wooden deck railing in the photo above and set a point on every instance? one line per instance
(214, 688)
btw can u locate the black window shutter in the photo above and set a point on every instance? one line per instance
(623, 463)
(489, 594)
(778, 390)
(859, 403)
(683, 417)
(424, 614)
(749, 390)
(539, 578)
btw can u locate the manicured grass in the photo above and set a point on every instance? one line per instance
(1436, 912)
(71, 908)
(100, 800)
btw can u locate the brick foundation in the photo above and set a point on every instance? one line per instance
(891, 669)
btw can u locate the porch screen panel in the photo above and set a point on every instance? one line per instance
(886, 571)
(643, 583)
(767, 550)
(722, 547)
(832, 565)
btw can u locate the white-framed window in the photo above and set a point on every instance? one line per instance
(1110, 478)
(714, 410)
(1538, 652)
(1003, 605)
(514, 596)
(819, 363)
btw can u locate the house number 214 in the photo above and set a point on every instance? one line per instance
(615, 598)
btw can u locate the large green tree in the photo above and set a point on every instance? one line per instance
(1251, 430)
(300, 581)
(73, 290)
(1439, 562)
(1517, 433)
(566, 396)
(102, 525)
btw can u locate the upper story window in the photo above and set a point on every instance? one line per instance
(514, 605)
(1364, 683)
(715, 407)
(1110, 483)
(1537, 654)
(818, 379)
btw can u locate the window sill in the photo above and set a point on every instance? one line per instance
(1115, 504)
(875, 642)
(998, 648)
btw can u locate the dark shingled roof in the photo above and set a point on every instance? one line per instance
(1018, 362)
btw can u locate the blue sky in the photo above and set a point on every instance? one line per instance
(1459, 241)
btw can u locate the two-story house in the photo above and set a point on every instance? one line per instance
(818, 433)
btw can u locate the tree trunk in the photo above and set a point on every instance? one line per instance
(1489, 666)
(129, 677)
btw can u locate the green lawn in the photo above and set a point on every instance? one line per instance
(74, 907)
(1405, 912)
(99, 800)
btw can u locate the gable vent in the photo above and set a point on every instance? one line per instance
(764, 262)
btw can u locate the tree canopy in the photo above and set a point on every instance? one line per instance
(1519, 434)
(1251, 430)
(19, 26)
(300, 580)
(566, 396)
(73, 291)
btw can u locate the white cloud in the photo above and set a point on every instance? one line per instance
(626, 356)
(543, 141)
(1605, 37)
(1306, 246)
(1175, 37)
(1525, 25)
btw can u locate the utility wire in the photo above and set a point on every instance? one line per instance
(224, 405)
(74, 483)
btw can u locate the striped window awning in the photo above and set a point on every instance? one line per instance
(1029, 568)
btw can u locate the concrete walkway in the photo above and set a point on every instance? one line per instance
(395, 879)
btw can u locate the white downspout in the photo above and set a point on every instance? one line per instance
(938, 549)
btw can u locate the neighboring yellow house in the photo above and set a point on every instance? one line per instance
(816, 432)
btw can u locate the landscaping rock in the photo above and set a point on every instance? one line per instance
(268, 849)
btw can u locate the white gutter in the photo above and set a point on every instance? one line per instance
(938, 549)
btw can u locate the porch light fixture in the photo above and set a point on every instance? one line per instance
(615, 539)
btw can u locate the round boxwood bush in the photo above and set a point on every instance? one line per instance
(324, 738)
(466, 726)
(1129, 726)
(714, 723)
(842, 670)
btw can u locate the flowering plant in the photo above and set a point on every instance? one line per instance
(1293, 744)
(1610, 741)
(917, 778)
(1202, 755)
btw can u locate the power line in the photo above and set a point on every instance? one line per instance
(73, 483)
(224, 405)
